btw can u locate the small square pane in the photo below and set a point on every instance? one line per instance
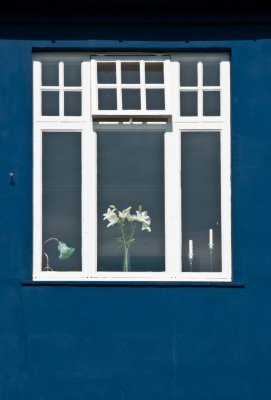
(189, 104)
(107, 99)
(106, 72)
(49, 75)
(211, 73)
(211, 103)
(188, 74)
(72, 104)
(72, 74)
(130, 73)
(131, 99)
(155, 99)
(154, 72)
(50, 103)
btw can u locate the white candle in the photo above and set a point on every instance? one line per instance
(190, 254)
(211, 241)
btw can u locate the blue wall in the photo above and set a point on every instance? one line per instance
(138, 342)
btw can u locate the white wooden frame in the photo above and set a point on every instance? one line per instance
(176, 124)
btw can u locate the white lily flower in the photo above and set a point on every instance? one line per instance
(145, 226)
(111, 216)
(125, 213)
(131, 217)
(143, 217)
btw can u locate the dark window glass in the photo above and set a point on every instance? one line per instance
(188, 74)
(72, 74)
(106, 72)
(61, 200)
(130, 72)
(50, 74)
(50, 104)
(211, 103)
(154, 72)
(211, 73)
(201, 201)
(131, 173)
(131, 99)
(107, 99)
(72, 104)
(189, 104)
(155, 99)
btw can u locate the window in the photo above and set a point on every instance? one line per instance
(148, 131)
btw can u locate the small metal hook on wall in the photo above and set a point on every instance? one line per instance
(11, 178)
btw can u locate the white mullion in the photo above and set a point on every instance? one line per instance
(119, 91)
(61, 89)
(88, 201)
(167, 85)
(94, 85)
(142, 85)
(172, 203)
(200, 88)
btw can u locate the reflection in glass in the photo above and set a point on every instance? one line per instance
(61, 199)
(106, 72)
(154, 72)
(188, 74)
(201, 201)
(155, 99)
(130, 72)
(131, 99)
(189, 104)
(72, 104)
(107, 99)
(131, 173)
(72, 74)
(49, 76)
(211, 73)
(211, 103)
(50, 103)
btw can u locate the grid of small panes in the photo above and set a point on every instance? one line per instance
(61, 90)
(125, 86)
(200, 89)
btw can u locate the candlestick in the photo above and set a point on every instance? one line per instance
(190, 254)
(211, 241)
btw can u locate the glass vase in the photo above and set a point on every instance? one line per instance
(126, 260)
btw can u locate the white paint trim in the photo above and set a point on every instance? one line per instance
(173, 127)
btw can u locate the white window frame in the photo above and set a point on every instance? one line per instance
(88, 129)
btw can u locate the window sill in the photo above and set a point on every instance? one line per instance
(226, 285)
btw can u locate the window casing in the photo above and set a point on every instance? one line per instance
(88, 106)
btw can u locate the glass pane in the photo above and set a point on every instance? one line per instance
(50, 74)
(189, 104)
(106, 72)
(50, 103)
(72, 74)
(131, 173)
(189, 75)
(61, 200)
(130, 73)
(155, 99)
(72, 104)
(201, 201)
(154, 72)
(107, 99)
(131, 99)
(211, 73)
(211, 103)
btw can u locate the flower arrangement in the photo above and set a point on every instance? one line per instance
(64, 252)
(127, 223)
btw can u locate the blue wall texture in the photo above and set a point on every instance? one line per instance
(122, 342)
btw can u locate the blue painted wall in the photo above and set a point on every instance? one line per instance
(138, 342)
